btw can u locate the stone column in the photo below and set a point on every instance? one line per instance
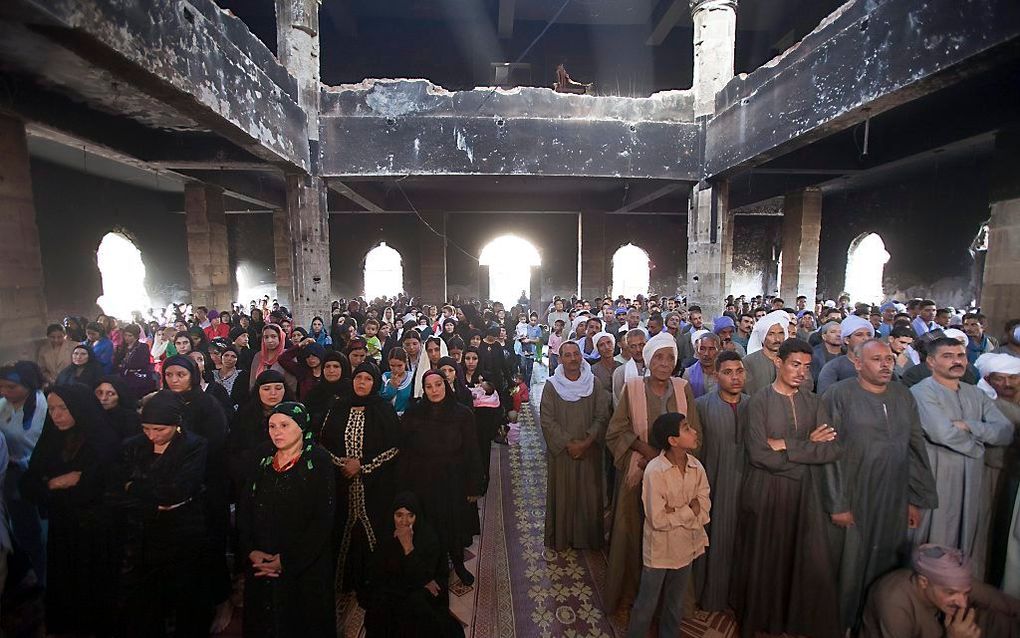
(802, 223)
(1000, 290)
(297, 36)
(709, 247)
(715, 33)
(433, 259)
(208, 252)
(591, 247)
(22, 300)
(283, 252)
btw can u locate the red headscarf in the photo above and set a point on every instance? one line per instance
(267, 358)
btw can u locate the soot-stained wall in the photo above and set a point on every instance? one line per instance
(663, 237)
(757, 241)
(250, 238)
(75, 210)
(351, 236)
(927, 223)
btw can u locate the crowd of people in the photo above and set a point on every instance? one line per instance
(816, 470)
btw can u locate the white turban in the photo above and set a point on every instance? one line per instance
(599, 336)
(1001, 363)
(852, 324)
(656, 343)
(959, 335)
(697, 334)
(774, 318)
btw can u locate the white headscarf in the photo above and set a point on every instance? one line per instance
(571, 391)
(774, 318)
(992, 363)
(424, 365)
(959, 335)
(697, 334)
(852, 324)
(656, 343)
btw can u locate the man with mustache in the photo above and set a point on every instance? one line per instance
(884, 480)
(959, 420)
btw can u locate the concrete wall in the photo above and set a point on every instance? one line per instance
(75, 210)
(927, 222)
(756, 245)
(250, 238)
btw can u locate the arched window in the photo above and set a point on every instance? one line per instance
(865, 263)
(630, 272)
(509, 259)
(123, 274)
(384, 274)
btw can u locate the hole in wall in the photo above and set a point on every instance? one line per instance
(631, 271)
(384, 272)
(510, 260)
(123, 276)
(865, 265)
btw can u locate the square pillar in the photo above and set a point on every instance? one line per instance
(208, 252)
(591, 250)
(22, 299)
(283, 253)
(802, 224)
(1000, 289)
(308, 216)
(433, 259)
(709, 247)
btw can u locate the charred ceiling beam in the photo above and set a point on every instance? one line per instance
(190, 56)
(863, 60)
(640, 201)
(359, 196)
(674, 12)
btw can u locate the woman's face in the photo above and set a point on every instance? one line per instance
(93, 335)
(129, 338)
(182, 344)
(196, 339)
(178, 379)
(228, 360)
(284, 431)
(397, 367)
(403, 517)
(79, 356)
(296, 337)
(435, 388)
(450, 373)
(215, 357)
(270, 339)
(470, 361)
(316, 326)
(433, 350)
(107, 395)
(199, 360)
(312, 361)
(502, 333)
(363, 383)
(476, 340)
(244, 322)
(271, 394)
(357, 357)
(448, 328)
(57, 410)
(159, 434)
(332, 371)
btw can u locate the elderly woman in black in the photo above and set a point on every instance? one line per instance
(84, 368)
(439, 463)
(67, 476)
(361, 435)
(204, 416)
(248, 441)
(408, 589)
(336, 383)
(158, 490)
(285, 519)
(119, 405)
(132, 362)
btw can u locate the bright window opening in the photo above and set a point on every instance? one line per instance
(510, 260)
(253, 283)
(123, 275)
(630, 272)
(865, 264)
(384, 274)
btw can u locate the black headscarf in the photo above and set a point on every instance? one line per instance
(27, 375)
(444, 407)
(478, 367)
(86, 374)
(163, 408)
(373, 395)
(183, 361)
(321, 397)
(408, 501)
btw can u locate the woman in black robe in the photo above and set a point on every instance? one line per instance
(204, 416)
(158, 493)
(361, 435)
(408, 588)
(285, 520)
(66, 476)
(335, 384)
(84, 368)
(439, 463)
(454, 374)
(119, 405)
(248, 441)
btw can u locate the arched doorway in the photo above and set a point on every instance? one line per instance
(865, 264)
(631, 271)
(510, 260)
(123, 276)
(384, 274)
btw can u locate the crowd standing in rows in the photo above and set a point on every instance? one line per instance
(815, 470)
